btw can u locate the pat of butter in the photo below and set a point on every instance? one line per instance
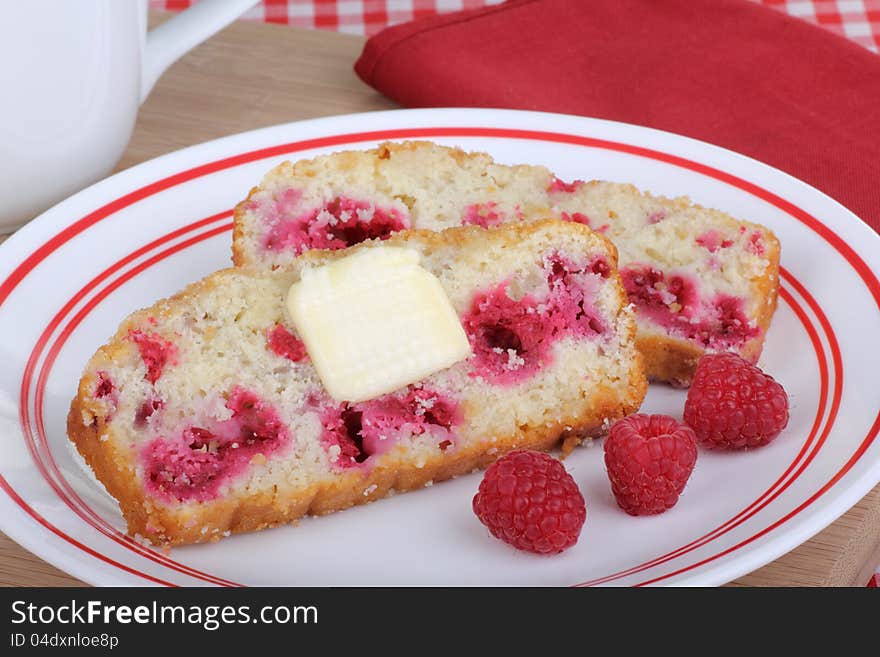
(374, 322)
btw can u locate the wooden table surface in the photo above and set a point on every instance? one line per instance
(254, 75)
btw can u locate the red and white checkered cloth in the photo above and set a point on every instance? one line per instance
(858, 20)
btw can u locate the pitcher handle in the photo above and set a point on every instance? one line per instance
(169, 41)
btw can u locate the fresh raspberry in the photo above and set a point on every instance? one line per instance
(734, 405)
(528, 499)
(649, 460)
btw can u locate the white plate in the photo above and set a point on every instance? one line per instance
(68, 278)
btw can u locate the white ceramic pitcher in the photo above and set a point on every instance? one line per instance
(72, 75)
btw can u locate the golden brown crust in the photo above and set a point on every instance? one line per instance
(667, 359)
(674, 361)
(238, 257)
(767, 288)
(207, 521)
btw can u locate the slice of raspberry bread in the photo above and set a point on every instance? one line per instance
(337, 200)
(700, 279)
(204, 416)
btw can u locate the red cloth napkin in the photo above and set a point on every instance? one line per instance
(729, 72)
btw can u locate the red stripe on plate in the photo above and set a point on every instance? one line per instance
(407, 133)
(768, 495)
(60, 485)
(52, 528)
(68, 329)
(68, 233)
(855, 457)
(835, 407)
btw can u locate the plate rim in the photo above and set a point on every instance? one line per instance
(461, 117)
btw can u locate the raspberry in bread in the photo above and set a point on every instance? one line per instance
(700, 279)
(204, 416)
